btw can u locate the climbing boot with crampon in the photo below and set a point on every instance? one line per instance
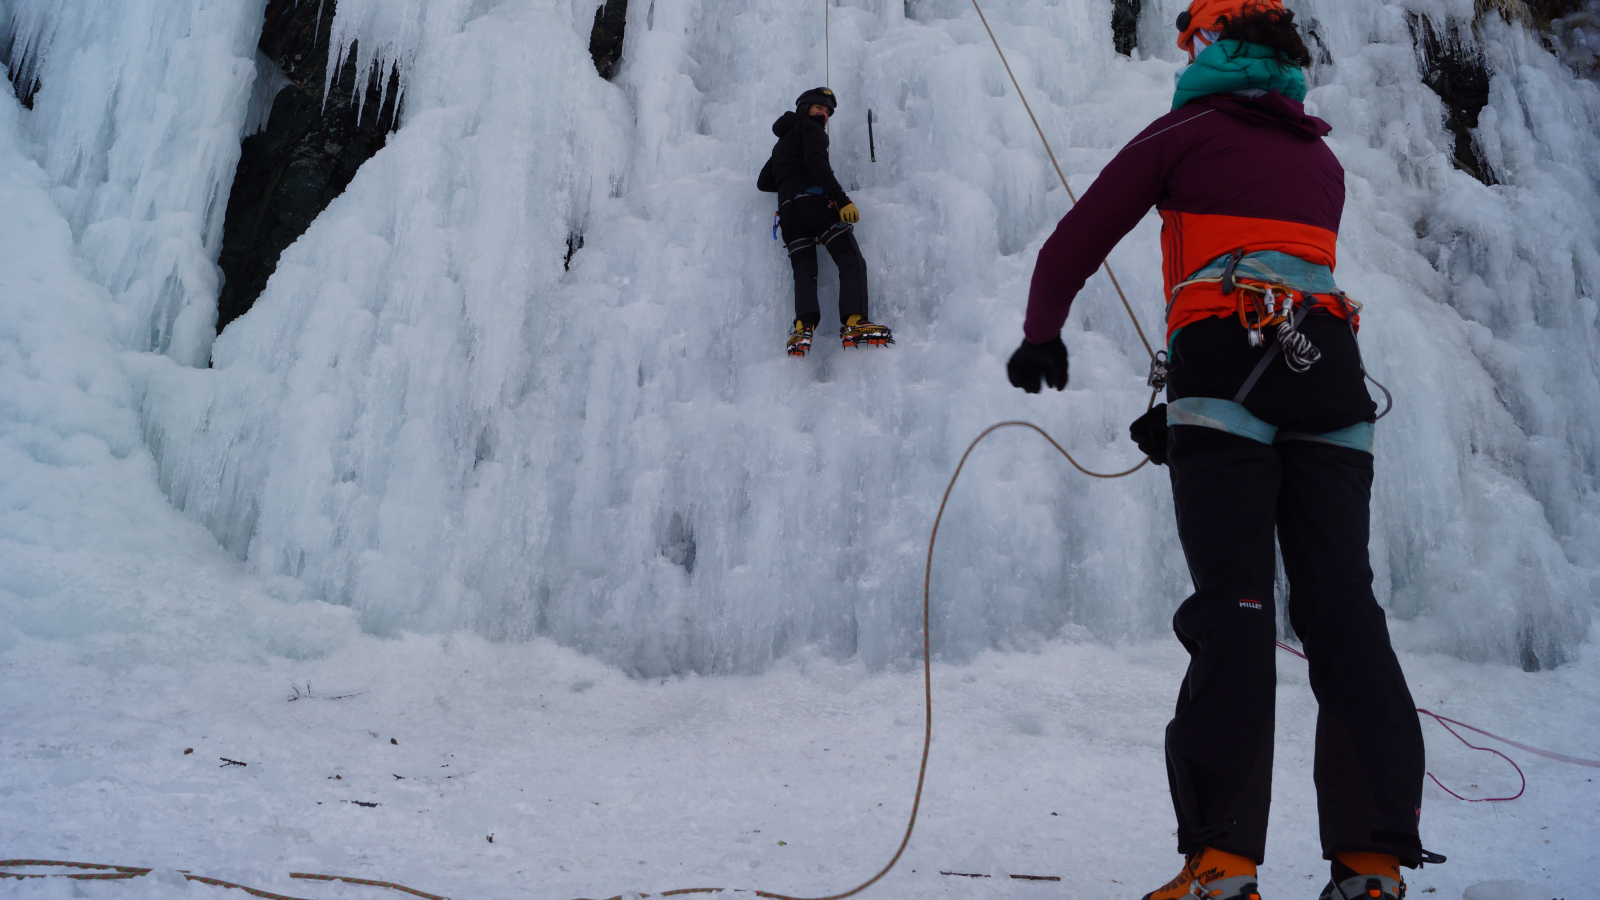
(1381, 883)
(1211, 875)
(799, 338)
(858, 331)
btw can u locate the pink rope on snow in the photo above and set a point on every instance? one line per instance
(1447, 722)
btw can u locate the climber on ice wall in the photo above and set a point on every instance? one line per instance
(814, 210)
(1268, 433)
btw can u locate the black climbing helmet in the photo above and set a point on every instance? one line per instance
(821, 95)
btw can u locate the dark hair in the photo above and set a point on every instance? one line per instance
(1272, 28)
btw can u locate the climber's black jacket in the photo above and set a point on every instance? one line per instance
(800, 160)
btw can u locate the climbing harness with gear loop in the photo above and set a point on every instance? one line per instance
(1266, 284)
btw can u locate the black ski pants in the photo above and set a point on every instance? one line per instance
(1232, 496)
(807, 222)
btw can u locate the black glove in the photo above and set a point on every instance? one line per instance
(1032, 361)
(1149, 431)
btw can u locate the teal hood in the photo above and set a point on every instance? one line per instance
(1229, 66)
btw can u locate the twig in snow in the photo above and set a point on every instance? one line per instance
(1018, 877)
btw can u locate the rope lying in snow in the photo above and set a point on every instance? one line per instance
(1051, 153)
(120, 873)
(135, 872)
(383, 884)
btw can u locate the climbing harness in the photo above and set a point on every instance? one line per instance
(1269, 302)
(1231, 416)
(822, 239)
(1265, 284)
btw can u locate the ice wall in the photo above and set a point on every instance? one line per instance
(436, 417)
(138, 119)
(91, 554)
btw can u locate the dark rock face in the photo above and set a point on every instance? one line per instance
(1453, 67)
(309, 152)
(24, 80)
(1125, 25)
(605, 40)
(1571, 30)
(1312, 29)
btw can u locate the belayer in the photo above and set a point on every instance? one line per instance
(814, 210)
(1268, 432)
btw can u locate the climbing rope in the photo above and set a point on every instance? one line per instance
(1447, 722)
(121, 872)
(1051, 153)
(827, 47)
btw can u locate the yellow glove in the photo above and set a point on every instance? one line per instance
(849, 214)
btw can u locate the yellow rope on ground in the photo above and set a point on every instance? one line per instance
(120, 873)
(383, 884)
(1051, 153)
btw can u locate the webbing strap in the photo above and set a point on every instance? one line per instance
(1267, 357)
(1359, 436)
(1228, 416)
(1271, 267)
(1222, 415)
(1388, 398)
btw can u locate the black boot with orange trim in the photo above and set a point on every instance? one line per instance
(1365, 876)
(1212, 874)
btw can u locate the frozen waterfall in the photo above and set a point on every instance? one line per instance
(430, 418)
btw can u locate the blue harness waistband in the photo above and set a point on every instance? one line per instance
(1273, 267)
(1226, 415)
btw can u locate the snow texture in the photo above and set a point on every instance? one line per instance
(438, 469)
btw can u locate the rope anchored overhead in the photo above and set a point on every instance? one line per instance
(1059, 174)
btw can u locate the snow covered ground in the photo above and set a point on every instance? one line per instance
(545, 503)
(797, 780)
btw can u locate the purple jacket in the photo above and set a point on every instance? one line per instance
(1227, 173)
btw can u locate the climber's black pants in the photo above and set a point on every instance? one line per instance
(1231, 494)
(807, 222)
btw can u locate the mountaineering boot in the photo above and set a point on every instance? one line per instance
(799, 338)
(1211, 875)
(857, 331)
(1365, 876)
